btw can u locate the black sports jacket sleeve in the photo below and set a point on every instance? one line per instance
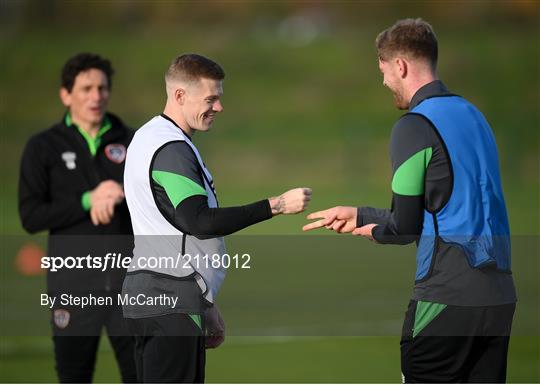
(37, 210)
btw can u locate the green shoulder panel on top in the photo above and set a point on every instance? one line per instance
(177, 187)
(409, 177)
(425, 313)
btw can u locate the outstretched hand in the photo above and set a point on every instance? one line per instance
(291, 202)
(341, 219)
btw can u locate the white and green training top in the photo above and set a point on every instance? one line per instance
(160, 245)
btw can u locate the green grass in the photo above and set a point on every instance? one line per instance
(289, 318)
(271, 359)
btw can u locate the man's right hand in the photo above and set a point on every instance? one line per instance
(103, 199)
(291, 202)
(341, 219)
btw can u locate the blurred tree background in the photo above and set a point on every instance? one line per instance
(304, 105)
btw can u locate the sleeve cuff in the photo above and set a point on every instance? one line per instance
(378, 233)
(85, 201)
(266, 210)
(359, 218)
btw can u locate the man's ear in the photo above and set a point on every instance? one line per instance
(65, 97)
(403, 67)
(180, 96)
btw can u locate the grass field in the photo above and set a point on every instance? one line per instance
(297, 113)
(283, 324)
(269, 359)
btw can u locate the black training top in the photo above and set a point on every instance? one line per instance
(178, 189)
(58, 169)
(423, 180)
(411, 135)
(192, 215)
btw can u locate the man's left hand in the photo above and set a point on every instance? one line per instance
(215, 328)
(365, 231)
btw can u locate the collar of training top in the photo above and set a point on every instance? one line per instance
(435, 88)
(173, 122)
(118, 129)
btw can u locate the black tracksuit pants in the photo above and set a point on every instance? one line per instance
(76, 336)
(169, 349)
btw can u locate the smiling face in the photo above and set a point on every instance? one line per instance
(392, 79)
(201, 103)
(88, 99)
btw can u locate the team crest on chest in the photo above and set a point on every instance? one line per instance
(69, 157)
(115, 152)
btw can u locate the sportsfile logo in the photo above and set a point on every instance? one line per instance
(109, 261)
(116, 261)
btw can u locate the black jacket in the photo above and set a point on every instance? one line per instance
(56, 169)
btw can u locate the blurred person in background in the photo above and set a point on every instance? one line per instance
(446, 196)
(71, 186)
